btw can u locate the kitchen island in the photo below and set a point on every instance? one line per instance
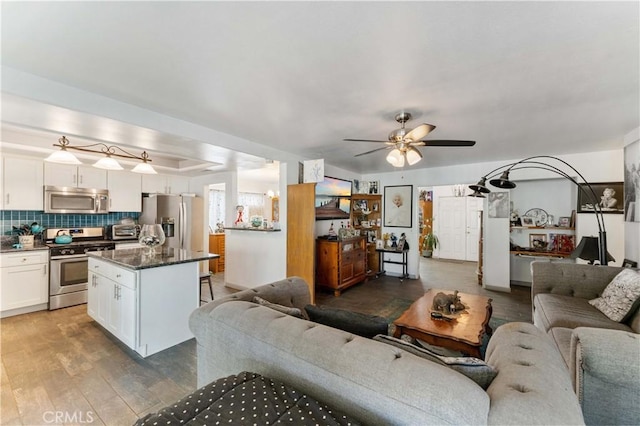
(145, 299)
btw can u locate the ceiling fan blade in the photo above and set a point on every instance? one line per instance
(419, 132)
(373, 150)
(363, 140)
(447, 143)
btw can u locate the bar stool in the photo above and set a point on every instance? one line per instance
(206, 276)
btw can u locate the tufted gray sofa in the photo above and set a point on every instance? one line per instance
(602, 356)
(375, 382)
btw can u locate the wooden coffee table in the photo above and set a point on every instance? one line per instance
(463, 333)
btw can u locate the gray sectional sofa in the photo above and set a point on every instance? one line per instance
(602, 356)
(375, 382)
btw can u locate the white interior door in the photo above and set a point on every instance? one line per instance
(452, 228)
(474, 207)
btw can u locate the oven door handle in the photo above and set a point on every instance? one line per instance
(71, 256)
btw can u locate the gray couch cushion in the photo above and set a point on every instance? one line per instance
(533, 384)
(570, 312)
(474, 368)
(607, 374)
(562, 337)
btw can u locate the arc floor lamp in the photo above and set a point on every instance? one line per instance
(542, 162)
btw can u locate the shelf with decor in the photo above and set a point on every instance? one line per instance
(366, 216)
(542, 241)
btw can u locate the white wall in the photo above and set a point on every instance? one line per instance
(632, 229)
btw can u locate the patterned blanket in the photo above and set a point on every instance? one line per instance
(246, 399)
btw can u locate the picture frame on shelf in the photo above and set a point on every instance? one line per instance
(538, 241)
(379, 244)
(561, 243)
(610, 197)
(528, 221)
(373, 187)
(564, 222)
(628, 263)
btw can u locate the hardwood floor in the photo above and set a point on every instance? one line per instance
(60, 367)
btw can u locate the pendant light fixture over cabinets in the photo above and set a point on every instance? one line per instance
(107, 162)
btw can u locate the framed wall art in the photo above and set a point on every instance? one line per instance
(610, 198)
(398, 208)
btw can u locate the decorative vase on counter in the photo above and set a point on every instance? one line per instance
(151, 236)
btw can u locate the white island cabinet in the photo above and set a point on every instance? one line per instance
(145, 301)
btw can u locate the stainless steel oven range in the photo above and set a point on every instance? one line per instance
(69, 270)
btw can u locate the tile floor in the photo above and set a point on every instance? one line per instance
(60, 367)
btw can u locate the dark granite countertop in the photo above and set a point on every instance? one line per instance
(137, 258)
(8, 248)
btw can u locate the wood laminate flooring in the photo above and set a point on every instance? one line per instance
(61, 367)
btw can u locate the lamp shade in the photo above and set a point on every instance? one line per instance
(413, 156)
(144, 168)
(395, 158)
(108, 163)
(588, 250)
(62, 157)
(503, 182)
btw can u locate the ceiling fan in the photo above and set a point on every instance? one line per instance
(403, 142)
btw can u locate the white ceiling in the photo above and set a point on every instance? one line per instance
(520, 78)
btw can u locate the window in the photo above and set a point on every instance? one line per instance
(253, 206)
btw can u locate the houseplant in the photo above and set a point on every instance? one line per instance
(429, 243)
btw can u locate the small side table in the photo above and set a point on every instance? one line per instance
(405, 273)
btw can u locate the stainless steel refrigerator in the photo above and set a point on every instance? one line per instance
(181, 217)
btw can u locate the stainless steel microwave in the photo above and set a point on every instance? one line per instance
(64, 199)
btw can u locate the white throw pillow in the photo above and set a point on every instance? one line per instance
(619, 297)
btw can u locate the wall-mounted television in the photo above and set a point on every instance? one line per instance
(333, 198)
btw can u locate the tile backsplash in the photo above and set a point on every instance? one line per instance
(17, 218)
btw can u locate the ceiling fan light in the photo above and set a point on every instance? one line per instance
(413, 156)
(395, 158)
(63, 157)
(108, 163)
(144, 168)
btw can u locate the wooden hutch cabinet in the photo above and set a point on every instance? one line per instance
(369, 225)
(340, 263)
(216, 246)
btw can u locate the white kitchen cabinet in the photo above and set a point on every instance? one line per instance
(22, 184)
(74, 176)
(125, 191)
(165, 184)
(122, 314)
(25, 282)
(112, 300)
(98, 297)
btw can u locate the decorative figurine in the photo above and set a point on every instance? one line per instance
(447, 303)
(239, 220)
